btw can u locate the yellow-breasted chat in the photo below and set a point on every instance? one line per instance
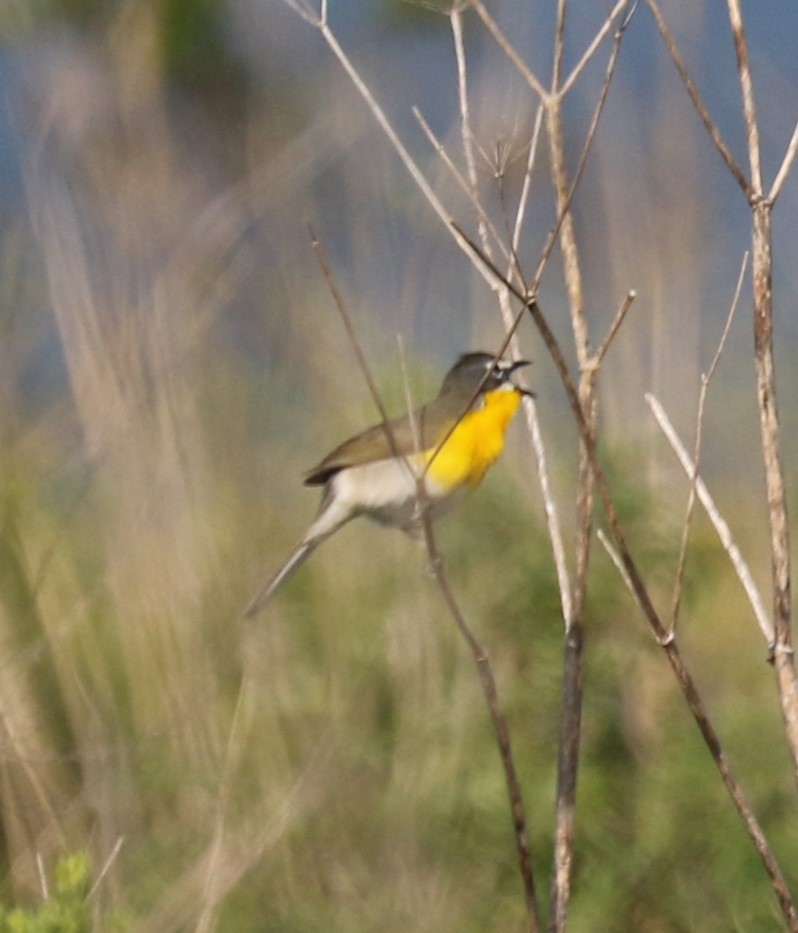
(451, 443)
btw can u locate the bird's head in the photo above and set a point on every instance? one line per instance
(471, 369)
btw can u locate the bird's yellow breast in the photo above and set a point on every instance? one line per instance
(476, 442)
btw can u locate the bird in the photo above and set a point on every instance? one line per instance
(451, 443)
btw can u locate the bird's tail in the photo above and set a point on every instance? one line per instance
(333, 513)
(298, 557)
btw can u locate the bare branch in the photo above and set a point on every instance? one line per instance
(615, 326)
(698, 103)
(615, 557)
(699, 429)
(550, 508)
(573, 675)
(456, 21)
(106, 866)
(355, 342)
(488, 683)
(523, 199)
(468, 139)
(422, 500)
(45, 890)
(531, 289)
(559, 53)
(718, 522)
(778, 517)
(565, 195)
(729, 318)
(786, 166)
(590, 51)
(379, 115)
(747, 88)
(530, 408)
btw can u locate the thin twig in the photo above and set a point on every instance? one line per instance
(615, 326)
(550, 508)
(321, 256)
(727, 327)
(785, 167)
(619, 566)
(530, 291)
(488, 683)
(107, 866)
(718, 522)
(706, 378)
(590, 51)
(565, 195)
(747, 90)
(695, 97)
(466, 133)
(411, 408)
(45, 890)
(526, 187)
(383, 122)
(527, 294)
(530, 408)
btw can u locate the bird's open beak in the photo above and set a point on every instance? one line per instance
(518, 364)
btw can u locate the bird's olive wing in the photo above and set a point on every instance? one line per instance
(432, 422)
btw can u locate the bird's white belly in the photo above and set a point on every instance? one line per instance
(386, 492)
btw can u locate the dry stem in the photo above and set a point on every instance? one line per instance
(723, 531)
(783, 659)
(695, 97)
(761, 235)
(706, 378)
(665, 638)
(480, 656)
(573, 664)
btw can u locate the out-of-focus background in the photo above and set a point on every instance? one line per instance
(170, 362)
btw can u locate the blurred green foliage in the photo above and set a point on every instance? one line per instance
(66, 909)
